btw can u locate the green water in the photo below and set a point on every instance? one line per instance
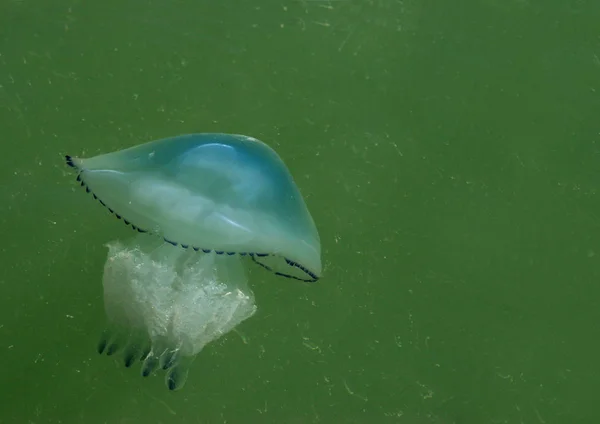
(449, 153)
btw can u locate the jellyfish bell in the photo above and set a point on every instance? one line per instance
(199, 204)
(228, 193)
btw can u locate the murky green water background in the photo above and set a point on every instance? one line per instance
(449, 155)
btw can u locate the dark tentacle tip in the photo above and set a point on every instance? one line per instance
(129, 360)
(150, 364)
(69, 161)
(101, 346)
(172, 380)
(112, 349)
(169, 363)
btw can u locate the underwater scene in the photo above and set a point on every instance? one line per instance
(299, 211)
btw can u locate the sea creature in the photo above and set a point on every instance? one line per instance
(200, 204)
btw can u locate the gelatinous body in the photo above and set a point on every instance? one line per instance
(199, 203)
(228, 193)
(164, 304)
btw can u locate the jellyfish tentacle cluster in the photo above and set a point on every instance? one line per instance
(199, 203)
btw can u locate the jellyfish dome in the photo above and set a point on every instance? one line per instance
(199, 204)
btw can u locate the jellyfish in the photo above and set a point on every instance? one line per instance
(202, 206)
